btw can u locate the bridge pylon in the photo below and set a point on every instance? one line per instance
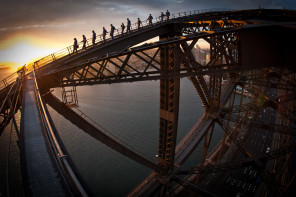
(169, 106)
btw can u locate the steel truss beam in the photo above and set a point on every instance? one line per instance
(284, 111)
(120, 66)
(169, 107)
(222, 167)
(168, 61)
(11, 103)
(198, 26)
(246, 107)
(192, 186)
(198, 81)
(271, 84)
(223, 50)
(233, 134)
(249, 122)
(101, 135)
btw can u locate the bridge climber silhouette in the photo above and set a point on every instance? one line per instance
(250, 49)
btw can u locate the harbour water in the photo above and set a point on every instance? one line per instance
(130, 111)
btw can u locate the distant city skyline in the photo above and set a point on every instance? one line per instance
(31, 28)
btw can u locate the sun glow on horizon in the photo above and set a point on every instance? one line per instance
(23, 53)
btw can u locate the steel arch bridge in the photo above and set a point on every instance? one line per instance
(251, 57)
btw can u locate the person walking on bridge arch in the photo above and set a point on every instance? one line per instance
(112, 31)
(122, 28)
(75, 46)
(104, 33)
(128, 26)
(94, 36)
(139, 23)
(150, 19)
(84, 42)
(161, 17)
(167, 15)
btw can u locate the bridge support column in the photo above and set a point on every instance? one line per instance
(169, 108)
(215, 81)
(198, 81)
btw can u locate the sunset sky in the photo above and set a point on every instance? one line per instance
(36, 28)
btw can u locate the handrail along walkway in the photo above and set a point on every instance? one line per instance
(68, 51)
(62, 158)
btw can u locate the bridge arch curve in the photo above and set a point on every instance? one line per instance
(246, 54)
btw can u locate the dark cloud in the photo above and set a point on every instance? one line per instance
(32, 12)
(66, 16)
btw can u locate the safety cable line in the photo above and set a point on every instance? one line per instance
(108, 133)
(61, 158)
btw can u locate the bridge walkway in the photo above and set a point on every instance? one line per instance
(42, 176)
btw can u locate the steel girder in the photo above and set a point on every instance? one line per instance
(169, 107)
(220, 56)
(218, 167)
(100, 133)
(137, 64)
(198, 26)
(198, 81)
(11, 103)
(250, 122)
(168, 61)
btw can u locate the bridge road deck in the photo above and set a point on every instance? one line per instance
(41, 175)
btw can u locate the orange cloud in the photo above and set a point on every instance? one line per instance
(12, 65)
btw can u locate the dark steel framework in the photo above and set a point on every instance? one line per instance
(217, 84)
(172, 58)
